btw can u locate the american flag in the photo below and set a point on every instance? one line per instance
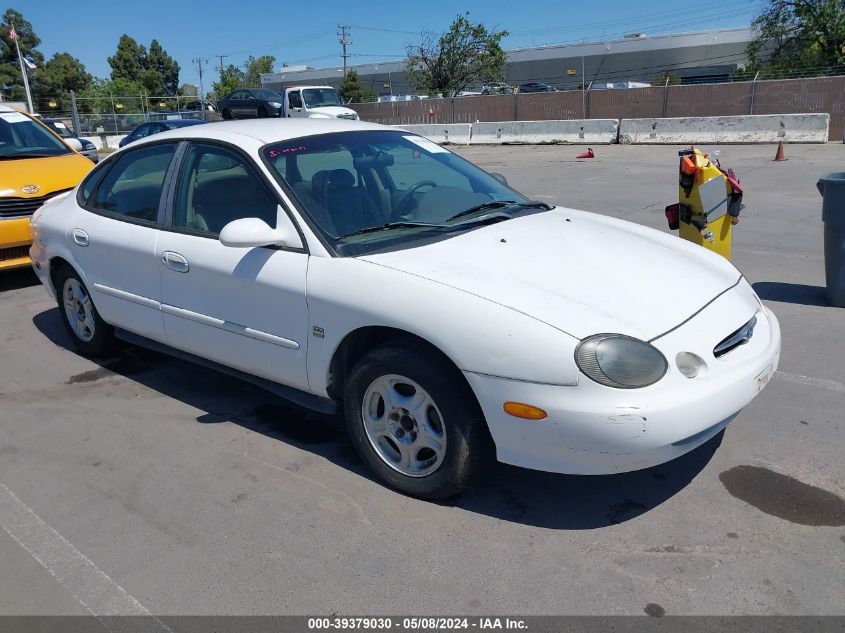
(12, 34)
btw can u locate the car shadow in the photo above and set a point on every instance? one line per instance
(511, 494)
(17, 279)
(801, 294)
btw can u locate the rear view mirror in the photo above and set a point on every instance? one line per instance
(73, 143)
(500, 177)
(382, 159)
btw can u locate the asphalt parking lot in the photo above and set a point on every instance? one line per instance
(143, 484)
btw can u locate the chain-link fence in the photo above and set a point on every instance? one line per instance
(119, 114)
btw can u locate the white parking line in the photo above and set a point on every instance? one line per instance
(92, 587)
(821, 383)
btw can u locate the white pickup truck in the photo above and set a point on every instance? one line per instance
(314, 102)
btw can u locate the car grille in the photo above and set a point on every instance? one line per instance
(22, 207)
(735, 339)
(16, 252)
(351, 117)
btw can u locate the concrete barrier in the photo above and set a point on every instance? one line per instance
(457, 133)
(104, 141)
(765, 128)
(582, 132)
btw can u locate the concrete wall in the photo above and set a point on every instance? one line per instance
(589, 131)
(456, 133)
(789, 128)
(103, 141)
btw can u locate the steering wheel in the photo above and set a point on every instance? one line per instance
(395, 214)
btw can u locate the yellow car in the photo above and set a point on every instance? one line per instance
(35, 165)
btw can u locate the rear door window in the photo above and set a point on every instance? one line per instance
(132, 188)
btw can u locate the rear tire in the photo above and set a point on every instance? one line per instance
(415, 423)
(226, 114)
(90, 334)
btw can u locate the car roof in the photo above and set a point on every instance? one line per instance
(180, 123)
(269, 130)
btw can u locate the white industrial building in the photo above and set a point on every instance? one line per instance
(705, 56)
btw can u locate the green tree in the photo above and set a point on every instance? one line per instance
(128, 61)
(254, 67)
(164, 67)
(57, 77)
(126, 96)
(352, 90)
(11, 81)
(187, 90)
(467, 53)
(798, 35)
(231, 78)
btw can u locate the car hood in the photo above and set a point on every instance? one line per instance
(579, 272)
(48, 174)
(331, 111)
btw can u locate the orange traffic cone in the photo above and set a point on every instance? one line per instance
(588, 154)
(779, 155)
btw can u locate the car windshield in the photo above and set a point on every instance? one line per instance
(21, 137)
(267, 95)
(320, 97)
(371, 190)
(59, 128)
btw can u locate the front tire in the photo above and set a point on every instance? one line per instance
(90, 334)
(226, 114)
(262, 113)
(415, 423)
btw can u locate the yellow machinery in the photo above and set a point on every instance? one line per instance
(709, 202)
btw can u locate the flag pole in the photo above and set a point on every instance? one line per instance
(23, 72)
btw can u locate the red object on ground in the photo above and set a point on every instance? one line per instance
(779, 154)
(588, 154)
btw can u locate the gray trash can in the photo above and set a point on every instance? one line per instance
(832, 188)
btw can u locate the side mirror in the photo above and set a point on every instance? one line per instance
(500, 177)
(254, 232)
(74, 143)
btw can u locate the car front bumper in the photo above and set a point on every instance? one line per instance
(593, 430)
(15, 238)
(91, 154)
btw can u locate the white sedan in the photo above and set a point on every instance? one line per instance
(359, 268)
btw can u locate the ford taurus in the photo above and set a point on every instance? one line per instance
(363, 269)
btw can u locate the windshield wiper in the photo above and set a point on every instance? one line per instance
(498, 204)
(388, 226)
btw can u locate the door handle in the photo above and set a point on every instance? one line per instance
(175, 262)
(80, 237)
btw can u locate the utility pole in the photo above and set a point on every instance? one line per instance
(345, 40)
(220, 67)
(199, 62)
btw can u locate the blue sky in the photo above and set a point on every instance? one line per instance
(305, 32)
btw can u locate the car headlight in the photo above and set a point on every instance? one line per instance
(88, 145)
(274, 104)
(620, 361)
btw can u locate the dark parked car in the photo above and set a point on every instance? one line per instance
(89, 150)
(536, 86)
(250, 102)
(154, 127)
